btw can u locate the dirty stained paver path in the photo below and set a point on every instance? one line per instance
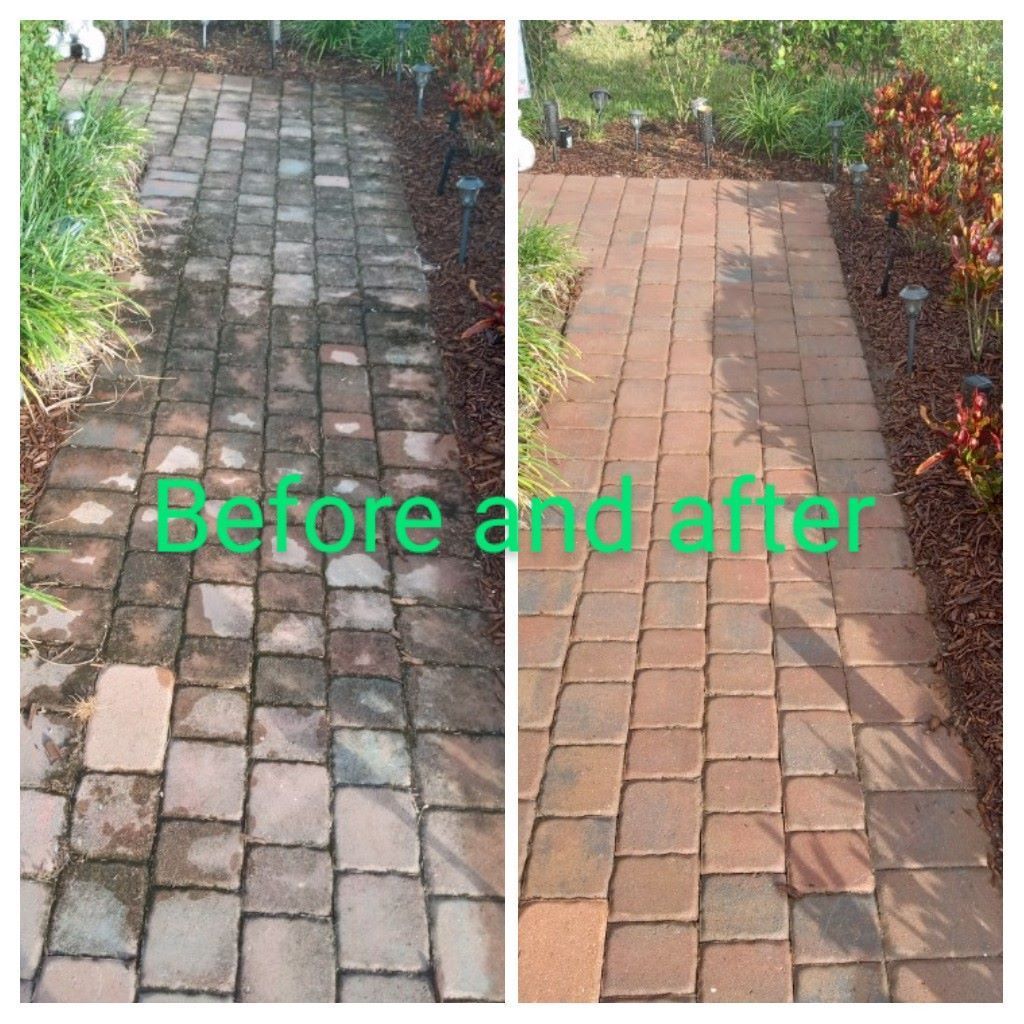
(290, 785)
(732, 786)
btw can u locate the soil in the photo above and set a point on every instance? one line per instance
(957, 543)
(474, 368)
(666, 151)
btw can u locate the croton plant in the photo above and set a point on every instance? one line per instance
(945, 186)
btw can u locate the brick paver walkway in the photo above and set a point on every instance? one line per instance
(734, 781)
(290, 786)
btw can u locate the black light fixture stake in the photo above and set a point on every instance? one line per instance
(469, 189)
(696, 107)
(913, 297)
(421, 75)
(835, 134)
(551, 126)
(454, 119)
(708, 135)
(892, 220)
(401, 34)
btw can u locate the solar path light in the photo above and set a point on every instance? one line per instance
(73, 122)
(401, 35)
(913, 296)
(124, 37)
(835, 134)
(636, 119)
(551, 126)
(468, 189)
(421, 75)
(600, 98)
(707, 133)
(859, 177)
(274, 32)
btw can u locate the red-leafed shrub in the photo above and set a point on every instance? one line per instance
(974, 445)
(471, 55)
(945, 186)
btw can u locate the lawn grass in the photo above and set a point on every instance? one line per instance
(616, 57)
(548, 270)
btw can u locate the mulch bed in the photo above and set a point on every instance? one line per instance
(474, 368)
(666, 151)
(957, 545)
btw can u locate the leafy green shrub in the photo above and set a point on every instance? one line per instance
(39, 101)
(370, 41)
(548, 268)
(685, 56)
(832, 99)
(763, 117)
(966, 58)
(69, 297)
(806, 49)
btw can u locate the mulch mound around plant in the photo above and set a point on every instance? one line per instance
(475, 368)
(957, 544)
(41, 435)
(666, 151)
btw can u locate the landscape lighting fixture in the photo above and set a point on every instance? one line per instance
(636, 119)
(401, 34)
(859, 177)
(205, 25)
(124, 37)
(973, 383)
(913, 296)
(468, 189)
(274, 29)
(600, 98)
(551, 126)
(707, 133)
(696, 106)
(73, 122)
(835, 134)
(421, 75)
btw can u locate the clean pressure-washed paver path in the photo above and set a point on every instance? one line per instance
(735, 783)
(290, 786)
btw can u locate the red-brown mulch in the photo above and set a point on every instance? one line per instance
(957, 544)
(41, 435)
(666, 151)
(474, 368)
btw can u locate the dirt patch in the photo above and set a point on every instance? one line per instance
(957, 545)
(666, 151)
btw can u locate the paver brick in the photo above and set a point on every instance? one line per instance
(207, 854)
(114, 816)
(933, 913)
(381, 923)
(552, 970)
(99, 910)
(286, 960)
(469, 949)
(650, 959)
(67, 979)
(654, 889)
(841, 983)
(746, 972)
(743, 843)
(571, 857)
(192, 941)
(129, 724)
(289, 804)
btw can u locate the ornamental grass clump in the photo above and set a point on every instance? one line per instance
(548, 270)
(80, 227)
